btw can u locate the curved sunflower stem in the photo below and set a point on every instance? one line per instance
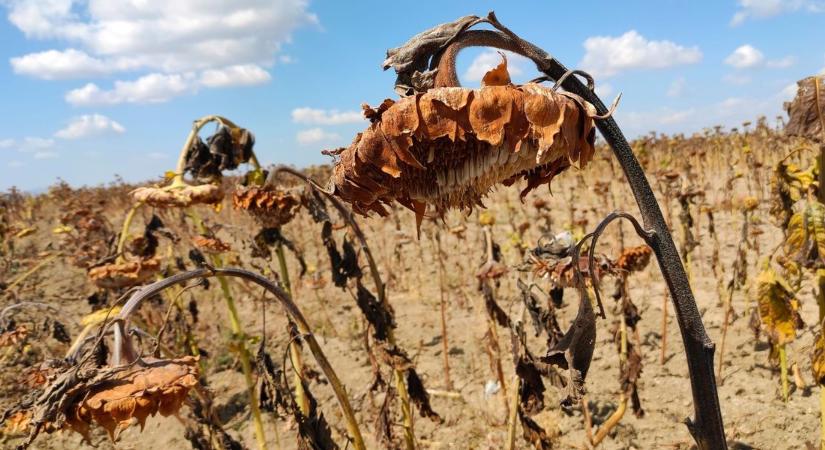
(294, 349)
(123, 345)
(124, 231)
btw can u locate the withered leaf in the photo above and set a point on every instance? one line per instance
(344, 266)
(420, 397)
(574, 351)
(534, 434)
(807, 109)
(377, 315)
(493, 308)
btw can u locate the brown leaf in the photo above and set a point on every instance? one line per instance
(574, 351)
(807, 109)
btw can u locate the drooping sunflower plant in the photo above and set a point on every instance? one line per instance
(441, 146)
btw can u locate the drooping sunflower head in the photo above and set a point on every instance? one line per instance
(449, 146)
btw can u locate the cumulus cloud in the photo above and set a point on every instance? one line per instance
(606, 56)
(490, 59)
(151, 88)
(316, 136)
(59, 64)
(749, 57)
(325, 116)
(7, 143)
(240, 75)
(762, 9)
(221, 43)
(90, 125)
(745, 57)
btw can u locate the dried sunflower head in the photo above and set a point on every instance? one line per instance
(112, 397)
(449, 146)
(634, 259)
(178, 196)
(224, 150)
(270, 206)
(118, 275)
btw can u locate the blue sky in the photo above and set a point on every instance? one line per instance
(94, 88)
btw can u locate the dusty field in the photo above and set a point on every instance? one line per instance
(726, 167)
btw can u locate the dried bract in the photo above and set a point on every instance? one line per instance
(449, 146)
(118, 275)
(178, 196)
(270, 206)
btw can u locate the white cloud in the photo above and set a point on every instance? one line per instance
(315, 136)
(325, 116)
(46, 155)
(240, 75)
(490, 59)
(157, 155)
(676, 88)
(606, 56)
(745, 57)
(221, 43)
(89, 125)
(15, 164)
(749, 57)
(152, 88)
(7, 143)
(762, 9)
